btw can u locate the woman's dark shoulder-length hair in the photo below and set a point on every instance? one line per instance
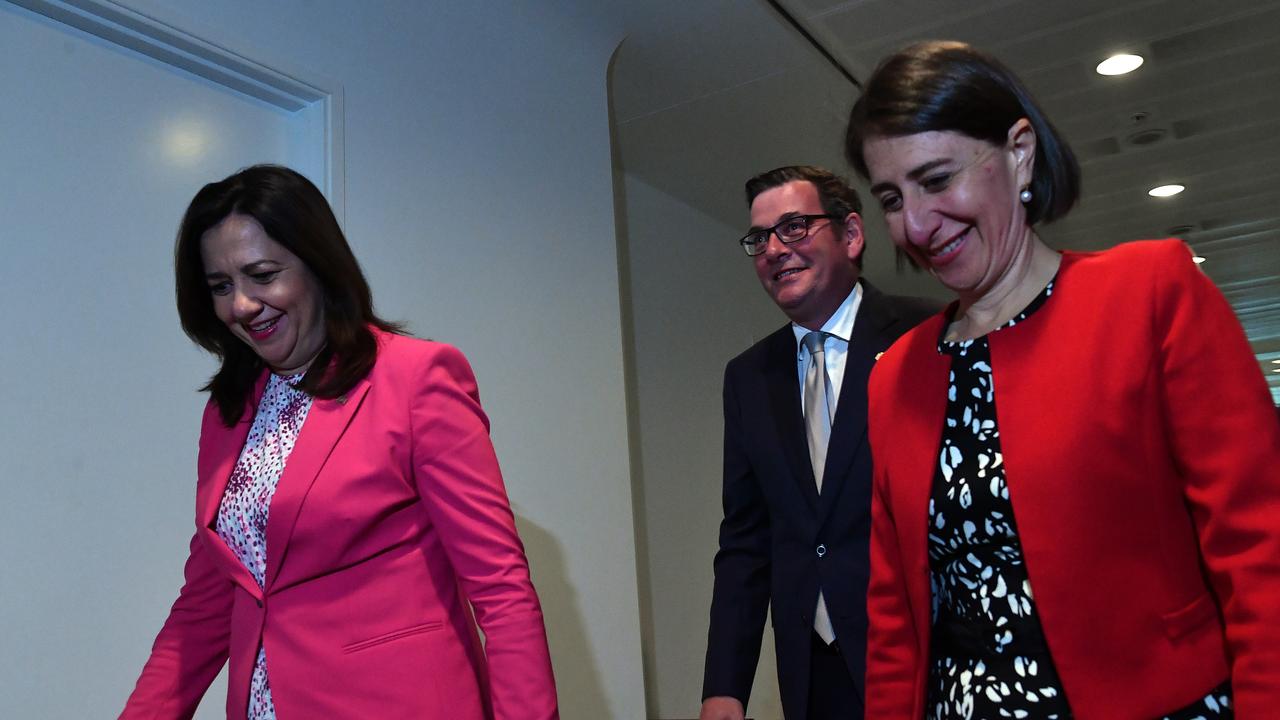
(294, 213)
(951, 86)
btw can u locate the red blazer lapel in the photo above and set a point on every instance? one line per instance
(326, 421)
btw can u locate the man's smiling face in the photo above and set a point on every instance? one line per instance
(809, 278)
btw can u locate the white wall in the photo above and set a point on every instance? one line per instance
(478, 199)
(694, 300)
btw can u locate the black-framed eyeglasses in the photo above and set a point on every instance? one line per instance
(788, 230)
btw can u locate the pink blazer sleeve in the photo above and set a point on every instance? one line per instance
(1223, 427)
(457, 474)
(191, 647)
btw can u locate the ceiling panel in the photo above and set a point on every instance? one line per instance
(1203, 111)
(711, 80)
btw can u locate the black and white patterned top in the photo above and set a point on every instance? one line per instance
(989, 658)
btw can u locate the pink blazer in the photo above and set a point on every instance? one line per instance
(1143, 461)
(388, 525)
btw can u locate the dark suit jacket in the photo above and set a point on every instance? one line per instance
(779, 540)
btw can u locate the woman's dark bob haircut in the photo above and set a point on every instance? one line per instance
(950, 86)
(294, 213)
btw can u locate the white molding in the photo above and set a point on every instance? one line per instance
(178, 48)
(335, 154)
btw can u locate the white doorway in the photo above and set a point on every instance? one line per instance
(109, 123)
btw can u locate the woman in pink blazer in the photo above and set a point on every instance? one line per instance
(350, 513)
(1076, 497)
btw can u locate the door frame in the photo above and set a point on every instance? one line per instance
(291, 91)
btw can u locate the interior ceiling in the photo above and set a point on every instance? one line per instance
(1203, 111)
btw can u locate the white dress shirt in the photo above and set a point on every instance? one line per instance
(835, 347)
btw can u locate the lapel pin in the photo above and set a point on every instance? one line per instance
(342, 399)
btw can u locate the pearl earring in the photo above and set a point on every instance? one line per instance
(1025, 195)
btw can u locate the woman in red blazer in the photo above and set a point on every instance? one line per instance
(1076, 504)
(350, 512)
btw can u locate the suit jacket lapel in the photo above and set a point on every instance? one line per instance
(219, 450)
(869, 338)
(783, 381)
(326, 421)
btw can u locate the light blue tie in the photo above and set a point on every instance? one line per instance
(817, 416)
(817, 429)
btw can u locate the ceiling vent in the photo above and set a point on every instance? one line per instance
(1139, 129)
(1145, 137)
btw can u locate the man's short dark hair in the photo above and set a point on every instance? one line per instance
(838, 198)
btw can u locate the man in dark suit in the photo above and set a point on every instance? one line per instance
(796, 532)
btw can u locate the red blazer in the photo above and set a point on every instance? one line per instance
(1142, 455)
(390, 515)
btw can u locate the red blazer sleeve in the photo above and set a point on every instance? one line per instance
(892, 644)
(458, 478)
(906, 397)
(1226, 439)
(192, 645)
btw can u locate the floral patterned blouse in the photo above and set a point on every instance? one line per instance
(242, 517)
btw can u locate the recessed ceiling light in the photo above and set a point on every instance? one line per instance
(1165, 190)
(1119, 64)
(1197, 259)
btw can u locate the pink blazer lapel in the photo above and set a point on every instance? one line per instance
(220, 447)
(325, 423)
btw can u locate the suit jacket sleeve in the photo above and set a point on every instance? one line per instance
(192, 645)
(461, 486)
(740, 598)
(1223, 428)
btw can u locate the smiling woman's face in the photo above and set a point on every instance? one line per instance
(264, 294)
(951, 202)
